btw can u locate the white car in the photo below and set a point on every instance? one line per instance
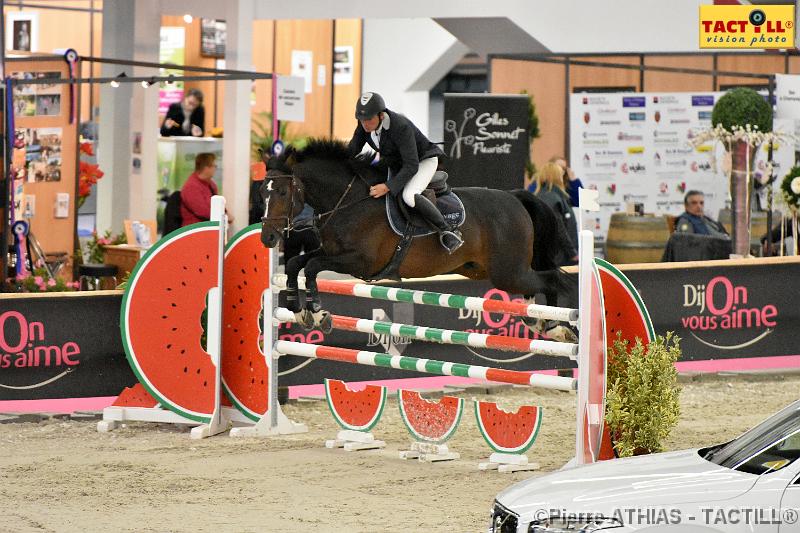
(750, 484)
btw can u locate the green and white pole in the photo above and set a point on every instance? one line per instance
(428, 366)
(445, 336)
(453, 301)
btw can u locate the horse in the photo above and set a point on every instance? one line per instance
(513, 239)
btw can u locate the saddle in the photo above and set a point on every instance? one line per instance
(438, 192)
(408, 224)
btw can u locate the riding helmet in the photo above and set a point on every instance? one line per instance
(369, 105)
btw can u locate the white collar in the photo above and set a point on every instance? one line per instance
(386, 122)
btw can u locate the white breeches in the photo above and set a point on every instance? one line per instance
(418, 183)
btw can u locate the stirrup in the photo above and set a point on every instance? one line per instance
(454, 244)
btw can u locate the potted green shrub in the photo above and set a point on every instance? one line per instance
(642, 400)
(745, 116)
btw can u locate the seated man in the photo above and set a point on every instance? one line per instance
(693, 220)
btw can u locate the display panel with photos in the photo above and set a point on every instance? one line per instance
(41, 99)
(42, 148)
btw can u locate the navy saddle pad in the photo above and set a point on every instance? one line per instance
(449, 205)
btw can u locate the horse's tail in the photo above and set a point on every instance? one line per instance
(550, 238)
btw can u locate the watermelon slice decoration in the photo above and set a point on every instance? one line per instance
(135, 396)
(244, 367)
(355, 410)
(625, 312)
(624, 309)
(508, 432)
(427, 420)
(161, 325)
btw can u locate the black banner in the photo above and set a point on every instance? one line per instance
(61, 346)
(725, 312)
(486, 140)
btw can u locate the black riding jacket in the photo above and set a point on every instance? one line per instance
(402, 146)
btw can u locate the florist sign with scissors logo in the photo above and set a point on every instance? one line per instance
(486, 139)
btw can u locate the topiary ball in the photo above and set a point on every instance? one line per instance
(740, 107)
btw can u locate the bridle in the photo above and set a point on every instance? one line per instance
(296, 187)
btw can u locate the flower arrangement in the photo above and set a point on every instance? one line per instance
(751, 135)
(40, 281)
(89, 174)
(790, 189)
(94, 247)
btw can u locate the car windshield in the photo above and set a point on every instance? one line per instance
(770, 446)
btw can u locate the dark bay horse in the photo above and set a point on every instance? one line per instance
(512, 239)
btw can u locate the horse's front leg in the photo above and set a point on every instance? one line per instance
(314, 311)
(293, 268)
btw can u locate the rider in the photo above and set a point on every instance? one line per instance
(411, 158)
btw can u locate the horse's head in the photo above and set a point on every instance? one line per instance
(283, 195)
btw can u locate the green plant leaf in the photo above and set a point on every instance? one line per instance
(642, 400)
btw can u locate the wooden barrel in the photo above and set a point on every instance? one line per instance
(758, 223)
(636, 239)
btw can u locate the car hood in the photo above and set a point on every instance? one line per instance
(648, 480)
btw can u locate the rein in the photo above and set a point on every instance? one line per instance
(338, 205)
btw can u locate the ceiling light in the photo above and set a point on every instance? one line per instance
(115, 83)
(187, 18)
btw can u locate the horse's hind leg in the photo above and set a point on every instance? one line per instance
(519, 278)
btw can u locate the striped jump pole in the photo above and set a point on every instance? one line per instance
(453, 301)
(428, 366)
(445, 336)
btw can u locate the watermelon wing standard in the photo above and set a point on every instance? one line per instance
(506, 432)
(355, 410)
(430, 421)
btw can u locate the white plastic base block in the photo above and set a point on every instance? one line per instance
(353, 441)
(508, 462)
(429, 453)
(113, 416)
(263, 428)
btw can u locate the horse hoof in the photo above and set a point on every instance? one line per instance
(305, 319)
(326, 322)
(536, 325)
(562, 334)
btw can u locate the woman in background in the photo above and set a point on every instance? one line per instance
(550, 189)
(571, 182)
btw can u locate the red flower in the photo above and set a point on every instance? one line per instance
(89, 174)
(87, 148)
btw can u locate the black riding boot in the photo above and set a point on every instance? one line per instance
(450, 239)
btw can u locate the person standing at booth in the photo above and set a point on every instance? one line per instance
(185, 118)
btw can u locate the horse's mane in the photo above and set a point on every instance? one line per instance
(328, 149)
